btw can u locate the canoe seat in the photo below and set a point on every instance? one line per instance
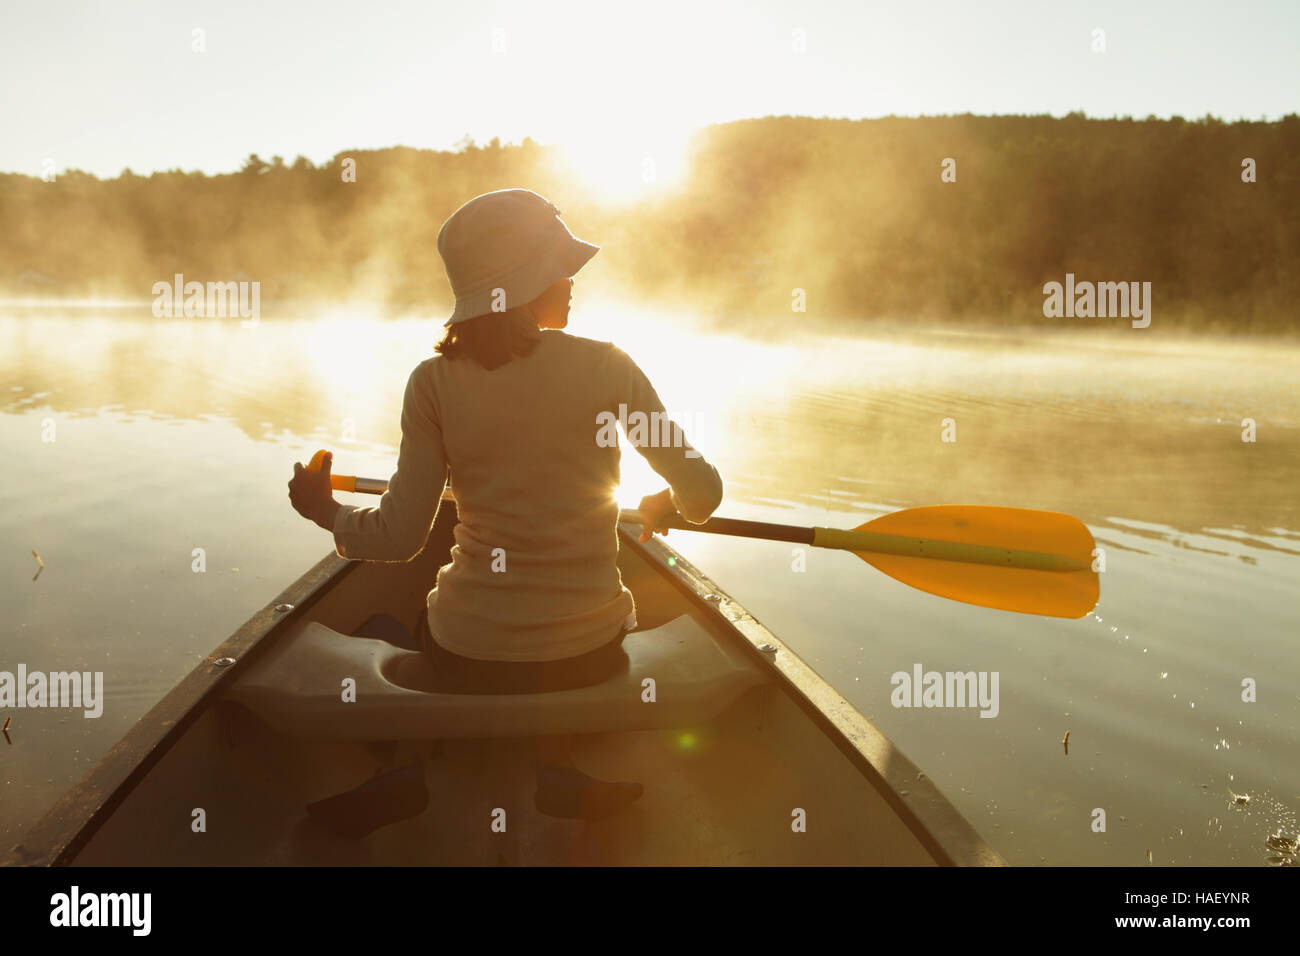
(297, 688)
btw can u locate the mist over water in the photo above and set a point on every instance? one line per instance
(181, 433)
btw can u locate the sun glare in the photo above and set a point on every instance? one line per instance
(623, 166)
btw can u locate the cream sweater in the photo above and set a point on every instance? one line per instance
(534, 465)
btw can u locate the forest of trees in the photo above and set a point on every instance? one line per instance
(854, 212)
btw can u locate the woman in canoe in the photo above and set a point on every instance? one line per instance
(512, 406)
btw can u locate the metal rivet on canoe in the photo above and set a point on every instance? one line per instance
(283, 608)
(767, 648)
(713, 598)
(223, 662)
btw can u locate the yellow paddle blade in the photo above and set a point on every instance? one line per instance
(1025, 590)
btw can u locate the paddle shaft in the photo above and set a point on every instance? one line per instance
(857, 541)
(734, 527)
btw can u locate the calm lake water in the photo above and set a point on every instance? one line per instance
(171, 435)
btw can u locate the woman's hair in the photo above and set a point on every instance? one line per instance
(491, 340)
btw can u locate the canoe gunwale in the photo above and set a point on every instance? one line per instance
(57, 838)
(936, 823)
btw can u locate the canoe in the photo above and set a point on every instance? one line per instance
(746, 755)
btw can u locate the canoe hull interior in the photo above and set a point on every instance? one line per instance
(787, 773)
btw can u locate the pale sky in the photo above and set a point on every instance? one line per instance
(105, 85)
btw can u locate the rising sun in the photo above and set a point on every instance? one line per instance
(626, 165)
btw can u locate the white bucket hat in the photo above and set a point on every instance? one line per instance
(510, 239)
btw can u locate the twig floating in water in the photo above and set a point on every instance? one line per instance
(38, 558)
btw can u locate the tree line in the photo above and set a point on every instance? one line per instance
(952, 218)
